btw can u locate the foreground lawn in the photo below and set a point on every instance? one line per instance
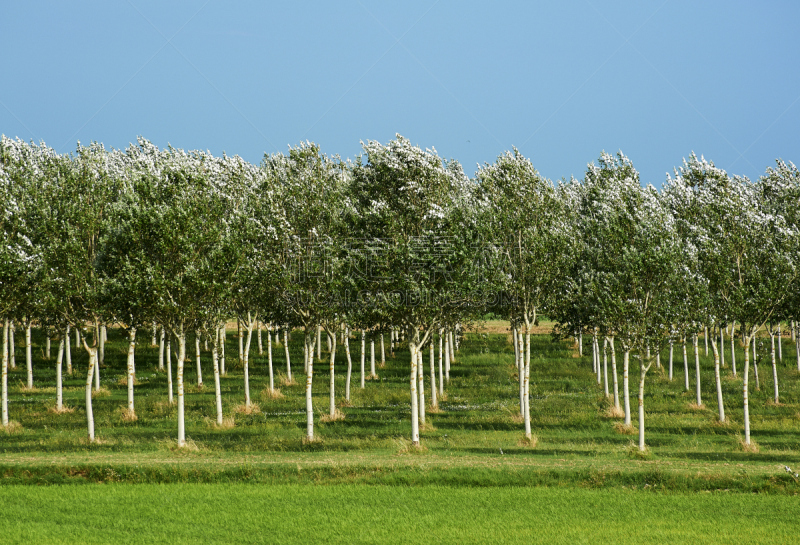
(214, 513)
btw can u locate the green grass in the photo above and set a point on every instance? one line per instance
(215, 513)
(474, 441)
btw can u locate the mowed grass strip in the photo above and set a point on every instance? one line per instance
(215, 513)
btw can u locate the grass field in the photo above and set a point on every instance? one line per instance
(471, 453)
(215, 513)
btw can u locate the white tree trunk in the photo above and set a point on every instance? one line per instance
(383, 353)
(580, 343)
(319, 343)
(780, 344)
(309, 351)
(154, 341)
(286, 350)
(605, 367)
(718, 380)
(251, 323)
(181, 335)
(101, 354)
(446, 356)
(697, 370)
(161, 350)
(29, 354)
(642, 373)
(421, 386)
(269, 362)
(197, 356)
(372, 355)
(217, 388)
(12, 351)
(685, 365)
(89, 413)
(626, 358)
(260, 344)
(441, 370)
(169, 368)
(614, 372)
(452, 350)
(412, 347)
(595, 367)
(59, 383)
(705, 338)
(755, 362)
(240, 338)
(434, 400)
(47, 344)
(774, 365)
(733, 351)
(332, 375)
(131, 369)
(346, 339)
(746, 401)
(527, 415)
(68, 349)
(722, 348)
(520, 363)
(363, 355)
(5, 375)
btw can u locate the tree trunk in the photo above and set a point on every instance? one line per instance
(29, 354)
(372, 355)
(68, 349)
(181, 335)
(755, 363)
(286, 351)
(363, 355)
(169, 368)
(12, 351)
(240, 338)
(434, 400)
(421, 387)
(319, 343)
(746, 401)
(59, 383)
(580, 343)
(161, 350)
(217, 388)
(47, 344)
(595, 358)
(527, 415)
(718, 381)
(626, 358)
(251, 322)
(774, 365)
(685, 364)
(697, 371)
(131, 369)
(614, 372)
(5, 374)
(520, 363)
(346, 339)
(309, 351)
(269, 362)
(101, 354)
(452, 349)
(197, 356)
(780, 344)
(412, 347)
(733, 351)
(599, 371)
(605, 367)
(333, 375)
(441, 369)
(260, 343)
(89, 413)
(642, 373)
(705, 338)
(722, 348)
(447, 357)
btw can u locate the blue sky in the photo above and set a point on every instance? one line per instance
(561, 81)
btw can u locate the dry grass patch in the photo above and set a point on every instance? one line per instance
(335, 417)
(227, 423)
(405, 446)
(13, 427)
(614, 412)
(372, 377)
(427, 426)
(285, 381)
(195, 388)
(621, 428)
(123, 381)
(345, 403)
(529, 442)
(773, 403)
(101, 392)
(517, 418)
(23, 389)
(434, 409)
(272, 394)
(247, 409)
(695, 407)
(63, 410)
(752, 448)
(127, 415)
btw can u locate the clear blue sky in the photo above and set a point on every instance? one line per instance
(561, 81)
